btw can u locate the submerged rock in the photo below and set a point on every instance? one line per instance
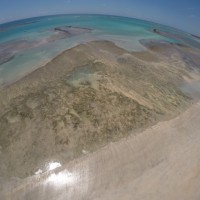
(72, 31)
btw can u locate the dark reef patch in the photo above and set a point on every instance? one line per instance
(72, 31)
(13, 25)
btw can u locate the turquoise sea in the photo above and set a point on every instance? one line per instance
(124, 32)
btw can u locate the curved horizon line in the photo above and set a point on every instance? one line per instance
(112, 15)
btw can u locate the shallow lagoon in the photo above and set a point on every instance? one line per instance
(38, 32)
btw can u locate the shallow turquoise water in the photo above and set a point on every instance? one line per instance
(125, 32)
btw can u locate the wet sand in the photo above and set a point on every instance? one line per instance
(160, 163)
(88, 109)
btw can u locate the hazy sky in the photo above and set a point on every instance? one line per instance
(183, 14)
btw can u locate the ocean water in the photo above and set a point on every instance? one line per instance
(124, 32)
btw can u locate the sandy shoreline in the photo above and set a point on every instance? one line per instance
(86, 97)
(89, 97)
(160, 163)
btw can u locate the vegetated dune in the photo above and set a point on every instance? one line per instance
(85, 98)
